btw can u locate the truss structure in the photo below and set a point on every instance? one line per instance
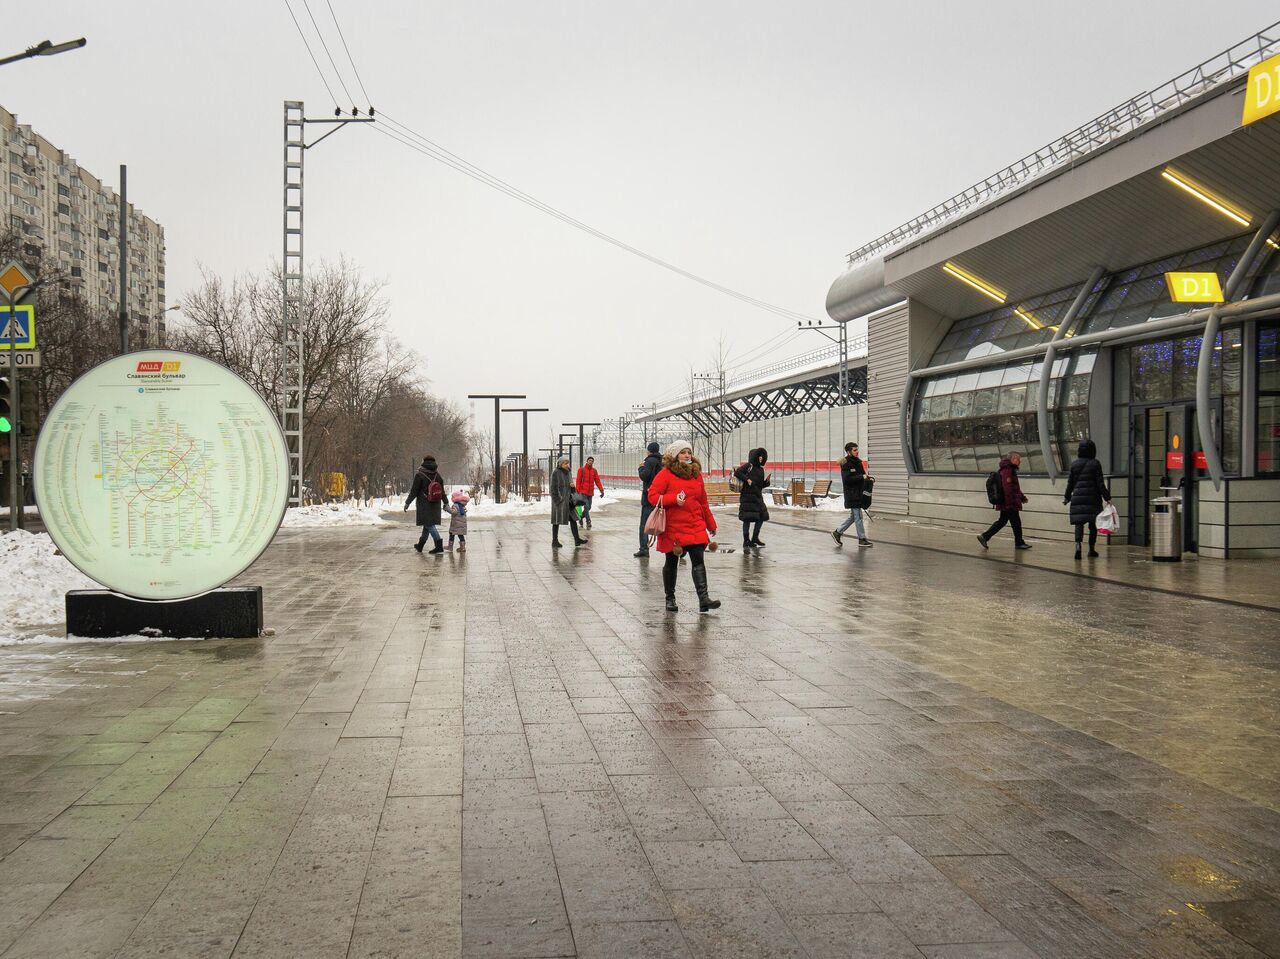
(819, 392)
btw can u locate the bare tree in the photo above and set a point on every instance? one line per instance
(369, 414)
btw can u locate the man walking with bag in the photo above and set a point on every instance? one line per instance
(1006, 495)
(854, 479)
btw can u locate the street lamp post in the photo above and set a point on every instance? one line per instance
(497, 433)
(582, 446)
(524, 412)
(569, 444)
(551, 452)
(45, 48)
(16, 506)
(158, 317)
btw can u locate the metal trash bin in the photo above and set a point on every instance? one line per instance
(1166, 529)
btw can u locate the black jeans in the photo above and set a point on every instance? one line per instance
(1011, 517)
(1093, 533)
(645, 509)
(747, 535)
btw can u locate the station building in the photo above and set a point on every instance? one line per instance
(1033, 310)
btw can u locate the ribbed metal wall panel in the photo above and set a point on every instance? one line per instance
(888, 360)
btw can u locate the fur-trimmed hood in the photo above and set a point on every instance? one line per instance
(684, 470)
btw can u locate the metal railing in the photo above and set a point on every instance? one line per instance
(1097, 133)
(857, 348)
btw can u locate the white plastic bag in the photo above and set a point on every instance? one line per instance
(1108, 520)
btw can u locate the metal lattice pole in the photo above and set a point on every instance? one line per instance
(291, 385)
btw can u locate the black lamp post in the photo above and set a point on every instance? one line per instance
(497, 433)
(524, 412)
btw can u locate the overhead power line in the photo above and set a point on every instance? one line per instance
(435, 151)
(422, 144)
(350, 99)
(341, 36)
(307, 44)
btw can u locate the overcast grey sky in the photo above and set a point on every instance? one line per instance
(752, 143)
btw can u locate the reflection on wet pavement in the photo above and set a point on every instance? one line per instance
(889, 752)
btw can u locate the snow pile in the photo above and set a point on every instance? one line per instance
(835, 503)
(38, 579)
(349, 513)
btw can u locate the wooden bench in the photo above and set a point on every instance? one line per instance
(821, 490)
(779, 497)
(719, 493)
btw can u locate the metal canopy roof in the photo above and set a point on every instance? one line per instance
(1108, 207)
(1114, 211)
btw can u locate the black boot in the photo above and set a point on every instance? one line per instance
(438, 548)
(669, 588)
(1077, 550)
(555, 536)
(705, 602)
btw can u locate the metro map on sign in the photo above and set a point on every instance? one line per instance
(161, 475)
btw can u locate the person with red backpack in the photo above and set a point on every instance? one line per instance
(428, 491)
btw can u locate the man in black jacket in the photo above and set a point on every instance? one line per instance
(650, 468)
(853, 477)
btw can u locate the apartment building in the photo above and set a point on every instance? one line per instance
(65, 218)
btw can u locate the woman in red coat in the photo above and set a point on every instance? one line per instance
(678, 488)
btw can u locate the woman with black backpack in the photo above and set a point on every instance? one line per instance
(428, 491)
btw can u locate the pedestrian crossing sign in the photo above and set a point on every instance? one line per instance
(18, 327)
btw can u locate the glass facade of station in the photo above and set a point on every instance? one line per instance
(964, 423)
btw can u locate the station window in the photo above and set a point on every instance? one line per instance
(1164, 371)
(1268, 455)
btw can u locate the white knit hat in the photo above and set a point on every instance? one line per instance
(674, 449)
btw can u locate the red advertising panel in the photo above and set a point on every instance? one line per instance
(1197, 458)
(1173, 460)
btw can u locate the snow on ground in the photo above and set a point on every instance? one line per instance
(37, 580)
(835, 503)
(349, 513)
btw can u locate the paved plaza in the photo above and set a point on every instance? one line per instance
(894, 752)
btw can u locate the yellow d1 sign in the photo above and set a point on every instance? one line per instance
(1262, 95)
(1194, 287)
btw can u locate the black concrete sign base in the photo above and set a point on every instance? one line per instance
(233, 612)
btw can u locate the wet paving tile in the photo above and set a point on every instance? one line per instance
(518, 754)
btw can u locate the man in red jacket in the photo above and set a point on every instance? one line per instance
(587, 483)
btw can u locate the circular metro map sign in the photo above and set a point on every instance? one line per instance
(161, 475)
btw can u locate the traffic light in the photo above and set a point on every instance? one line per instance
(6, 404)
(29, 408)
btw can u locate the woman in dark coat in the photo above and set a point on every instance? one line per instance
(562, 510)
(1086, 492)
(751, 508)
(427, 483)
